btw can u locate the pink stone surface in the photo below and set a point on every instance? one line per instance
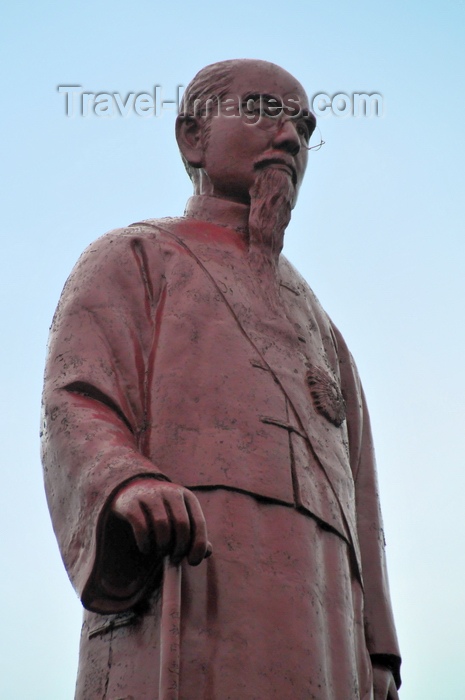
(200, 405)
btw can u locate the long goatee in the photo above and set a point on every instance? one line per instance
(271, 195)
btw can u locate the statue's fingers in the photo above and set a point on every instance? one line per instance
(180, 525)
(134, 514)
(200, 547)
(160, 524)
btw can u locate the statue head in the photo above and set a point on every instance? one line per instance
(239, 118)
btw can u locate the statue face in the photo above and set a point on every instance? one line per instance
(263, 122)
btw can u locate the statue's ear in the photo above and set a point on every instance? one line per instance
(189, 138)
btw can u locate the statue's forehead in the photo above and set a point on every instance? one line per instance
(266, 79)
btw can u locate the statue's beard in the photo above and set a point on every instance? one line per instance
(271, 198)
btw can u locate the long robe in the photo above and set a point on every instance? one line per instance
(172, 357)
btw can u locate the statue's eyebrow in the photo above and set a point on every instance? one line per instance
(303, 113)
(261, 95)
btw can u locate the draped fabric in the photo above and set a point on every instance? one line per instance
(276, 612)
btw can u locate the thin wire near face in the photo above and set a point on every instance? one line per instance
(317, 146)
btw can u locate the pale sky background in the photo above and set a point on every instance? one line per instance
(377, 232)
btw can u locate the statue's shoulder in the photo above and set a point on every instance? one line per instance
(145, 229)
(120, 257)
(159, 229)
(113, 247)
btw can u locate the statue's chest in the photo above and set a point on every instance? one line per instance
(218, 283)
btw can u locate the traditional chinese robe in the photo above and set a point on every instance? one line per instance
(173, 356)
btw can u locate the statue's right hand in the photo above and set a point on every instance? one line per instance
(165, 516)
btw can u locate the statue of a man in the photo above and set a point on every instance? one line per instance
(193, 381)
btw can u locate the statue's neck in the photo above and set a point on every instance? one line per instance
(215, 210)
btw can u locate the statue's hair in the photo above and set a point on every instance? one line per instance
(211, 83)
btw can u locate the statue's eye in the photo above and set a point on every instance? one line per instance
(272, 107)
(251, 106)
(303, 130)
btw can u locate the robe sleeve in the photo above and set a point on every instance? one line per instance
(95, 414)
(380, 633)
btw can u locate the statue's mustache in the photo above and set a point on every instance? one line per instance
(279, 163)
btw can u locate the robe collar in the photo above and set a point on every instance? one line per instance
(215, 210)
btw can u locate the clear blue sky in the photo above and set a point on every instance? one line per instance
(378, 233)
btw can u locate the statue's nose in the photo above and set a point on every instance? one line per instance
(286, 137)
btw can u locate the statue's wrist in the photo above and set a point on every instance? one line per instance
(138, 478)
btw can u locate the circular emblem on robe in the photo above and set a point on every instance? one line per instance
(327, 396)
